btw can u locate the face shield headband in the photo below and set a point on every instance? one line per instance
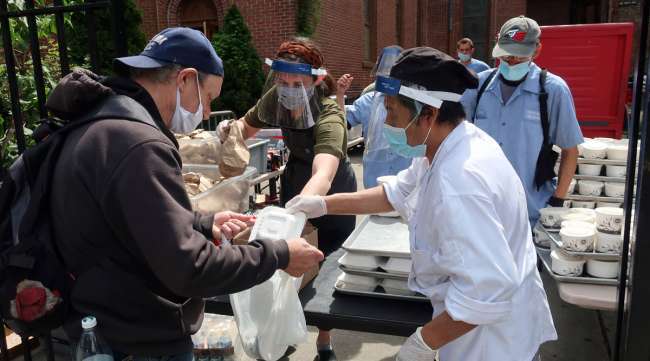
(281, 66)
(392, 86)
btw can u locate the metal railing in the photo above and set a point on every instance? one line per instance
(30, 12)
(58, 10)
(216, 118)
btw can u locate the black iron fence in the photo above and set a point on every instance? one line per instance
(15, 114)
(58, 10)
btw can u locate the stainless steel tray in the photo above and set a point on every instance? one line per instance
(376, 274)
(380, 236)
(599, 178)
(602, 161)
(545, 256)
(374, 294)
(555, 238)
(578, 197)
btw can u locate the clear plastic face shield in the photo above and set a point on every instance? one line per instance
(386, 60)
(375, 138)
(289, 100)
(387, 86)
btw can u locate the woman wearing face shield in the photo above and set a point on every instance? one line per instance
(314, 129)
(469, 234)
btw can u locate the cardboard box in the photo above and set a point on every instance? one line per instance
(309, 233)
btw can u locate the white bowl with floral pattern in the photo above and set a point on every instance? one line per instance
(578, 239)
(551, 217)
(609, 242)
(565, 265)
(609, 219)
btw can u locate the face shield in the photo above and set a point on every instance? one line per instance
(289, 100)
(384, 86)
(386, 60)
(392, 86)
(375, 141)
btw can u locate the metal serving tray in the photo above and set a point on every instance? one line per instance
(599, 178)
(545, 256)
(577, 197)
(601, 161)
(376, 294)
(376, 274)
(555, 238)
(380, 236)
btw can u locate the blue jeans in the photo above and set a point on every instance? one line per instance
(188, 356)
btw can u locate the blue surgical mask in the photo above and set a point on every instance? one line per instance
(398, 142)
(464, 57)
(514, 72)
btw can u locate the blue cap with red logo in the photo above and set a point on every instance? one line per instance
(181, 46)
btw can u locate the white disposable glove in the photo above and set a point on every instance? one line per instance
(311, 206)
(415, 349)
(223, 129)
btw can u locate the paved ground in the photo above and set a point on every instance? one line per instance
(581, 337)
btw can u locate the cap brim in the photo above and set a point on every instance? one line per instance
(521, 50)
(141, 62)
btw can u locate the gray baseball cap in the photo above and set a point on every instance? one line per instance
(517, 37)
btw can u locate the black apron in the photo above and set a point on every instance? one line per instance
(332, 230)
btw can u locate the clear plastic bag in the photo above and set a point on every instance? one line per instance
(269, 316)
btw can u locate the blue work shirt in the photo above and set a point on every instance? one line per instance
(477, 66)
(378, 158)
(517, 127)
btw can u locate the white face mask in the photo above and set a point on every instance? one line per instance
(184, 121)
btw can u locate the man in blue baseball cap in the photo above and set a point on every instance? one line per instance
(142, 259)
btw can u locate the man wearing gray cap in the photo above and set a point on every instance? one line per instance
(527, 110)
(142, 260)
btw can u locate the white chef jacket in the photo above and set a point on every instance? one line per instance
(471, 247)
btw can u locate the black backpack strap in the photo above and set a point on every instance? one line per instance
(481, 90)
(543, 106)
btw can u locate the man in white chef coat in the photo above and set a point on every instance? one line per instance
(470, 237)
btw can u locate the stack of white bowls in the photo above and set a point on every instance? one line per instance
(609, 223)
(587, 230)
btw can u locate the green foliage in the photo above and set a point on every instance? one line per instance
(77, 36)
(244, 76)
(25, 76)
(307, 17)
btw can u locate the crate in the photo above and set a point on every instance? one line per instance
(231, 194)
(258, 149)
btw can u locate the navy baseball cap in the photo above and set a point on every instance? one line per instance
(182, 46)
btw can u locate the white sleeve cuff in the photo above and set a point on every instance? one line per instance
(474, 312)
(396, 198)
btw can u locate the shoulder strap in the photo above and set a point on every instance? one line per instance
(482, 90)
(543, 106)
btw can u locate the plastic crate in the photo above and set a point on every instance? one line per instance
(231, 194)
(258, 149)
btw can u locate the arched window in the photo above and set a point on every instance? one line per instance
(201, 15)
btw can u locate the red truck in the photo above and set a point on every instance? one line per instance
(595, 60)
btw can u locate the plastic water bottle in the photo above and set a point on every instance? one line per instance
(91, 346)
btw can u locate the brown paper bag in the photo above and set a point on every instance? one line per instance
(234, 153)
(309, 233)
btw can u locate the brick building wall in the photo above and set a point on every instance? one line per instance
(340, 32)
(340, 36)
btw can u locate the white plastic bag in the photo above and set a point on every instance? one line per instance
(269, 316)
